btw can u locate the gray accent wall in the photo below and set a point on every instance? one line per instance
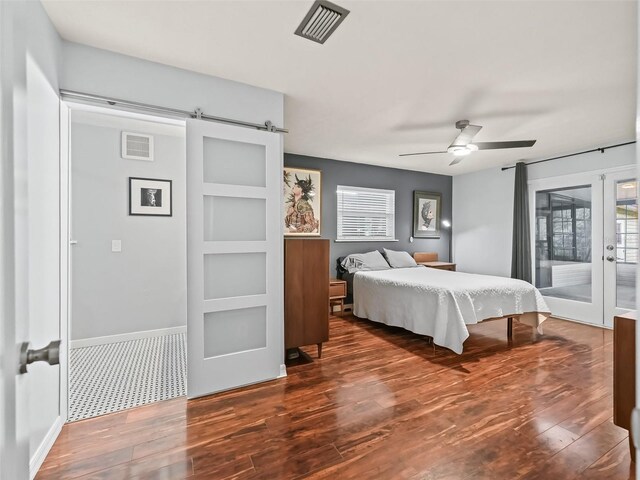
(404, 182)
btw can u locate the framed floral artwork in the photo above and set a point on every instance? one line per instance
(302, 191)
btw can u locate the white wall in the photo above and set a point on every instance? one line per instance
(482, 221)
(615, 157)
(91, 70)
(144, 287)
(43, 134)
(483, 207)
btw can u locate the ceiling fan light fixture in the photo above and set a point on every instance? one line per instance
(460, 150)
(462, 145)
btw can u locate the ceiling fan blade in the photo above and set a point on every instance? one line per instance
(466, 135)
(419, 153)
(497, 145)
(456, 161)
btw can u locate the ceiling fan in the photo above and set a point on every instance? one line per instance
(462, 146)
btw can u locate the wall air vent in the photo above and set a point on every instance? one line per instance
(321, 21)
(137, 146)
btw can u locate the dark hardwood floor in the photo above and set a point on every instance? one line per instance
(381, 404)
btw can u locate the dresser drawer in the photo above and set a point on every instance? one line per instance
(338, 289)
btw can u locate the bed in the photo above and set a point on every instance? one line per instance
(441, 303)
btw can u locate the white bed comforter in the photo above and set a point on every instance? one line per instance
(440, 303)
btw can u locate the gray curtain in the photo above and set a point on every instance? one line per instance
(521, 253)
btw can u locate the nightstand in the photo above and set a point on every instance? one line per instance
(440, 265)
(337, 294)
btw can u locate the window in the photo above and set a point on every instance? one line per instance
(563, 224)
(627, 222)
(366, 214)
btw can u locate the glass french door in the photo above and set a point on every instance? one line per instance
(567, 245)
(620, 242)
(585, 244)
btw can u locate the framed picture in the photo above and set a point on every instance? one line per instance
(426, 214)
(150, 197)
(302, 190)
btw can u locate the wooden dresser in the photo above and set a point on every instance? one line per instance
(624, 372)
(306, 290)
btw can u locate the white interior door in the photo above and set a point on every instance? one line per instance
(567, 239)
(621, 243)
(234, 257)
(14, 284)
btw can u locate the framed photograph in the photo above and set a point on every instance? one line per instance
(150, 197)
(426, 214)
(302, 190)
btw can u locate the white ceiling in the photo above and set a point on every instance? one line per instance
(396, 75)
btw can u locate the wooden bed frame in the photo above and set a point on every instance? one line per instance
(509, 327)
(432, 256)
(519, 317)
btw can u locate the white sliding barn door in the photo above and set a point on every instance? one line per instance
(234, 257)
(14, 239)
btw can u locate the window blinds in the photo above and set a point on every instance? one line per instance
(365, 214)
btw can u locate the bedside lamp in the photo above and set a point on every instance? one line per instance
(447, 224)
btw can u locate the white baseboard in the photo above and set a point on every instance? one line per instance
(43, 450)
(283, 371)
(125, 337)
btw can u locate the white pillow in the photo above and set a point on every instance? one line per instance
(358, 262)
(399, 259)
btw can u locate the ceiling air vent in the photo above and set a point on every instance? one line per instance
(321, 21)
(137, 146)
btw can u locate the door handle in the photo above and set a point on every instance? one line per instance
(49, 354)
(611, 258)
(609, 247)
